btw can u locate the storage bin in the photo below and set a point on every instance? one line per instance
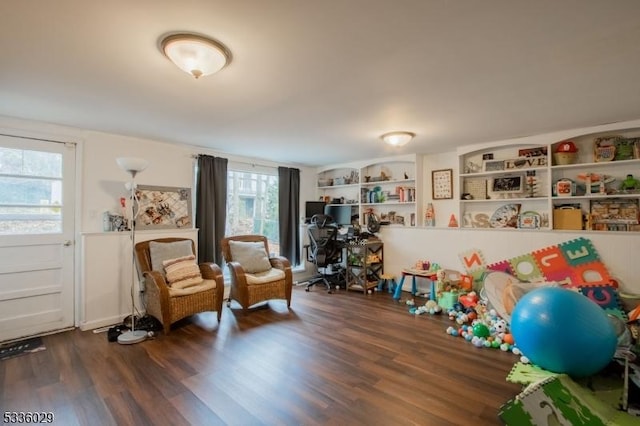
(567, 218)
(447, 299)
(564, 158)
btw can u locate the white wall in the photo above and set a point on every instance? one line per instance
(103, 181)
(443, 208)
(100, 186)
(403, 246)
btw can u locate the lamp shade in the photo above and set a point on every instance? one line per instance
(132, 165)
(195, 55)
(397, 138)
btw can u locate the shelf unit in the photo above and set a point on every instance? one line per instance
(620, 207)
(388, 187)
(364, 265)
(501, 184)
(511, 191)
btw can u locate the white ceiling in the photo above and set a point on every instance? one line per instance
(317, 82)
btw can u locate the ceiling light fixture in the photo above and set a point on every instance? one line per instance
(194, 54)
(397, 138)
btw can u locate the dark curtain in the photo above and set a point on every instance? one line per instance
(289, 213)
(211, 207)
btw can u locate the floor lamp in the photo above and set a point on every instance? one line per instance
(133, 166)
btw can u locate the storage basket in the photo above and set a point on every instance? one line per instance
(629, 301)
(564, 158)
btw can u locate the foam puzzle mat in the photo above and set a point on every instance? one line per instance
(573, 264)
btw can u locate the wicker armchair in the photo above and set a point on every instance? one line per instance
(248, 289)
(168, 304)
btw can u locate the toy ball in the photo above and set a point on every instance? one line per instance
(508, 338)
(563, 331)
(481, 330)
(505, 347)
(500, 326)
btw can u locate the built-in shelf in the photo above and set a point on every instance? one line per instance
(378, 179)
(509, 184)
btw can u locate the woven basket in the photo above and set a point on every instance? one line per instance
(629, 301)
(564, 158)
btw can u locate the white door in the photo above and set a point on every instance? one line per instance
(36, 236)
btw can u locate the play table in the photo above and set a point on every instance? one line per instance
(414, 273)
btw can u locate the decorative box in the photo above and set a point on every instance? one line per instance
(567, 218)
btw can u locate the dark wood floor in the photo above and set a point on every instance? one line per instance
(337, 359)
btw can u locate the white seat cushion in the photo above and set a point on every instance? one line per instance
(204, 285)
(272, 274)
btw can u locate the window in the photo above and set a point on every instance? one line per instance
(30, 192)
(252, 206)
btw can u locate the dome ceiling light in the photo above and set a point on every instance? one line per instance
(194, 54)
(397, 138)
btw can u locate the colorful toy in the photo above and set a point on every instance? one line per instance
(469, 300)
(562, 331)
(630, 183)
(481, 330)
(566, 153)
(574, 263)
(429, 216)
(486, 331)
(432, 307)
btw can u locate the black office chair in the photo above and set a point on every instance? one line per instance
(324, 248)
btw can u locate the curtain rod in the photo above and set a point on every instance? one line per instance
(252, 164)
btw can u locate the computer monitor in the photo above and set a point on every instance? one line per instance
(312, 208)
(341, 214)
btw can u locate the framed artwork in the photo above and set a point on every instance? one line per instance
(492, 165)
(442, 184)
(512, 184)
(163, 207)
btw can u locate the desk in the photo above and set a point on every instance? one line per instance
(413, 273)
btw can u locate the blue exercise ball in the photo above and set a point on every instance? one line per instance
(563, 331)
